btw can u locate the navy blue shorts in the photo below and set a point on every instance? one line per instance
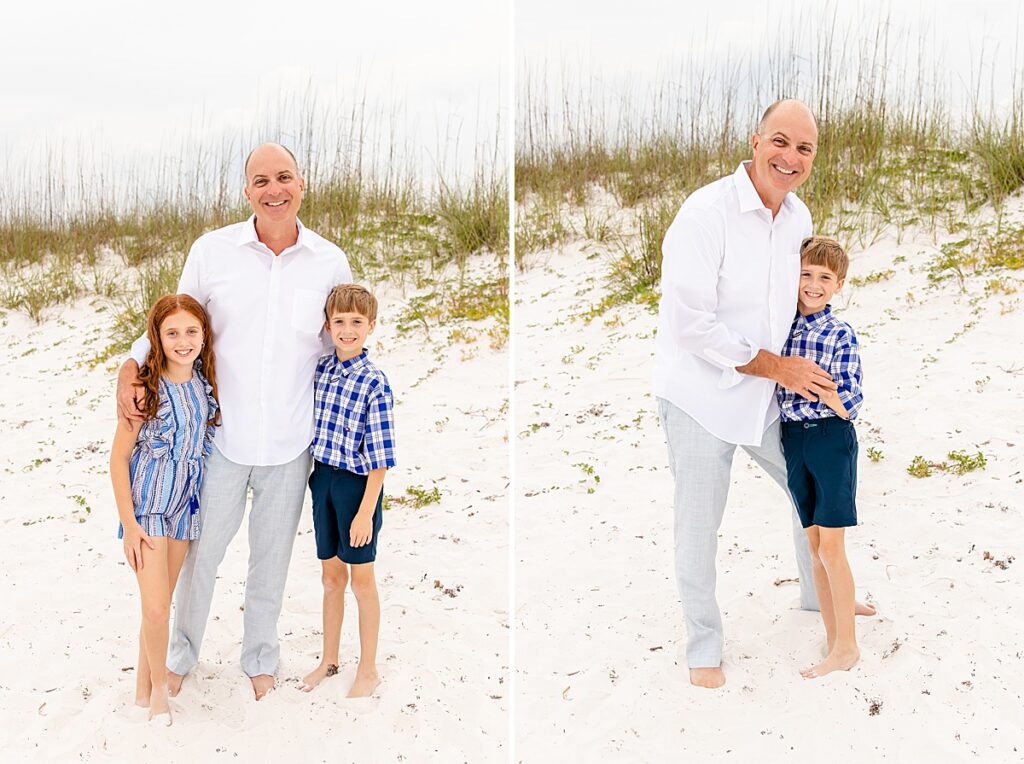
(337, 495)
(821, 467)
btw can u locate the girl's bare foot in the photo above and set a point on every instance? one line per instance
(317, 675)
(863, 608)
(712, 678)
(159, 706)
(364, 685)
(143, 689)
(834, 661)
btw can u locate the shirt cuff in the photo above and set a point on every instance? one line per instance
(140, 350)
(730, 377)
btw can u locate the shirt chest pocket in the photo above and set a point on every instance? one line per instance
(308, 310)
(353, 424)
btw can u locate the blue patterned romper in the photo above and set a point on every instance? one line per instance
(166, 468)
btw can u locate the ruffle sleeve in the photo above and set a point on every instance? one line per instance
(213, 407)
(160, 437)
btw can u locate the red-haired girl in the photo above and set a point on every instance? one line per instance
(156, 468)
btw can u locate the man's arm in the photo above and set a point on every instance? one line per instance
(693, 251)
(796, 373)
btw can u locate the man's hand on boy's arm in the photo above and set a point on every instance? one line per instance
(801, 375)
(361, 531)
(130, 394)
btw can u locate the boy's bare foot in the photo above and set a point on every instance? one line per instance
(863, 608)
(174, 683)
(364, 685)
(317, 675)
(262, 684)
(712, 678)
(835, 661)
(159, 707)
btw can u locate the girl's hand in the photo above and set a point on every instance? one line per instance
(362, 530)
(134, 538)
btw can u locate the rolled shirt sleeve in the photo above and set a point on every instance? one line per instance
(379, 436)
(845, 369)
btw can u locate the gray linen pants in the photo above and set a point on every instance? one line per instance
(277, 494)
(701, 466)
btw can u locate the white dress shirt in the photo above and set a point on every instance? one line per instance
(729, 282)
(266, 313)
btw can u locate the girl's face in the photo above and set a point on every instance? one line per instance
(181, 336)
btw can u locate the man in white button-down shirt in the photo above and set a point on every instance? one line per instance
(264, 283)
(728, 295)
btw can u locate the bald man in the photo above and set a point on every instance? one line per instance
(729, 282)
(264, 283)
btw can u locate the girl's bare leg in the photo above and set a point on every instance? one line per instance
(364, 586)
(844, 653)
(143, 684)
(335, 580)
(176, 551)
(156, 608)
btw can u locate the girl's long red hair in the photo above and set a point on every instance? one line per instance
(156, 361)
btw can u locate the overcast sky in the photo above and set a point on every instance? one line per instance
(126, 77)
(643, 40)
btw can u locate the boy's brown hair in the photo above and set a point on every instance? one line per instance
(351, 298)
(821, 250)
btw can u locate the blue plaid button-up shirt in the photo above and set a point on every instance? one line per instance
(353, 410)
(832, 345)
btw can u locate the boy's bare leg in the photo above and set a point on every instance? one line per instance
(176, 551)
(821, 586)
(156, 609)
(844, 653)
(364, 586)
(335, 580)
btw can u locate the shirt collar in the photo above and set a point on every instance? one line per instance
(748, 196)
(814, 319)
(337, 368)
(247, 234)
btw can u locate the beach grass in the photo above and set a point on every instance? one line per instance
(891, 154)
(59, 244)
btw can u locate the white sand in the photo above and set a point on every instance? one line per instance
(69, 610)
(600, 643)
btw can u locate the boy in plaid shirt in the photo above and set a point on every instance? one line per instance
(820, 444)
(353, 446)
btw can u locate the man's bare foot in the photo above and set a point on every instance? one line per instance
(364, 685)
(835, 661)
(262, 684)
(159, 707)
(711, 678)
(863, 608)
(174, 683)
(317, 675)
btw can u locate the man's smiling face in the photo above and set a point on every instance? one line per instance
(273, 185)
(784, 150)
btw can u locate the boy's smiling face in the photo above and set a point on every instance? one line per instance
(817, 285)
(349, 332)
